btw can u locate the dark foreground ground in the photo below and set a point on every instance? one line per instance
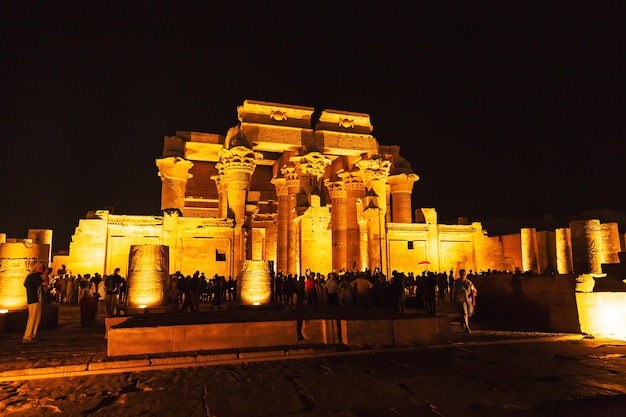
(487, 373)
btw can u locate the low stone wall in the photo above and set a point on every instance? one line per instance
(125, 339)
(538, 303)
(15, 320)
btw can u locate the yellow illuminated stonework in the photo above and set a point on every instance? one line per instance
(302, 189)
(17, 256)
(602, 314)
(148, 275)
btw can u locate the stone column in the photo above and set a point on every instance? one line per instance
(339, 223)
(42, 237)
(282, 223)
(148, 275)
(586, 246)
(222, 198)
(174, 173)
(237, 166)
(388, 203)
(293, 188)
(529, 249)
(16, 258)
(375, 172)
(355, 193)
(611, 245)
(564, 251)
(401, 189)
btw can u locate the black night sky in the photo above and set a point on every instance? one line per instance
(505, 109)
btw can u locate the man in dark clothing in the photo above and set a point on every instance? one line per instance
(112, 285)
(33, 284)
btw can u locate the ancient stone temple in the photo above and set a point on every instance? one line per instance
(293, 189)
(298, 188)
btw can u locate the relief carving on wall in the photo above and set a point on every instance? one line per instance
(278, 115)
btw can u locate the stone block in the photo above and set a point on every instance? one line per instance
(139, 340)
(422, 331)
(325, 331)
(367, 333)
(262, 354)
(126, 364)
(214, 336)
(173, 361)
(113, 321)
(270, 333)
(217, 357)
(602, 313)
(60, 371)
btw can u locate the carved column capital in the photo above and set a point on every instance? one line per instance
(281, 186)
(374, 169)
(290, 173)
(237, 162)
(313, 164)
(174, 168)
(352, 182)
(402, 183)
(336, 189)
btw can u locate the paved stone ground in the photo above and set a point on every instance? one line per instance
(487, 373)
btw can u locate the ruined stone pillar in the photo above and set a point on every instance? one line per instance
(529, 249)
(611, 245)
(293, 188)
(388, 203)
(355, 193)
(401, 189)
(16, 258)
(375, 172)
(237, 166)
(282, 223)
(564, 251)
(42, 237)
(148, 275)
(222, 198)
(174, 173)
(339, 223)
(586, 246)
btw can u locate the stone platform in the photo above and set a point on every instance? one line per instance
(246, 327)
(15, 320)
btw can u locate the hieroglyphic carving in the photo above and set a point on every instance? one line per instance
(148, 273)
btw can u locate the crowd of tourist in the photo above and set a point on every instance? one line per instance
(367, 289)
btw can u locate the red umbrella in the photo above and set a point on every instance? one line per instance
(423, 263)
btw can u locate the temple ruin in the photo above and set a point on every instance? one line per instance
(304, 189)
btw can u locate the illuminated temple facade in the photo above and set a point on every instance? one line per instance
(301, 189)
